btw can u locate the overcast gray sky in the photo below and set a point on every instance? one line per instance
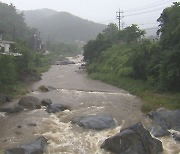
(103, 11)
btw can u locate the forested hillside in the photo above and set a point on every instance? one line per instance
(139, 65)
(12, 23)
(31, 16)
(62, 26)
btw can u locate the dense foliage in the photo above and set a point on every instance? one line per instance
(12, 23)
(127, 55)
(12, 67)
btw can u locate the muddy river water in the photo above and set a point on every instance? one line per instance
(85, 97)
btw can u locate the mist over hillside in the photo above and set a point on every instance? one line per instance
(33, 16)
(151, 33)
(62, 26)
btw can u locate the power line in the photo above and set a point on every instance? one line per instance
(144, 12)
(142, 24)
(148, 6)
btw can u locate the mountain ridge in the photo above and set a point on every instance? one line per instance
(62, 26)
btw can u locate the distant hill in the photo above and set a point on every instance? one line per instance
(62, 26)
(33, 16)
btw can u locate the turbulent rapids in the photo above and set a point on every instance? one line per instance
(84, 96)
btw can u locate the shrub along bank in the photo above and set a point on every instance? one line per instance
(14, 68)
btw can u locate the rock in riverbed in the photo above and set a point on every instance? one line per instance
(97, 122)
(46, 102)
(159, 131)
(30, 102)
(43, 88)
(37, 146)
(133, 140)
(176, 136)
(54, 108)
(164, 119)
(14, 109)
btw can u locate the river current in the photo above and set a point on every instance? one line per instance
(84, 96)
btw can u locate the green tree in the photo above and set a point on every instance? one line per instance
(103, 41)
(170, 26)
(170, 42)
(130, 34)
(12, 23)
(111, 32)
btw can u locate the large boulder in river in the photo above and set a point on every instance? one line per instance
(37, 146)
(54, 108)
(4, 98)
(159, 131)
(46, 102)
(176, 136)
(166, 119)
(97, 122)
(133, 140)
(13, 109)
(30, 102)
(43, 88)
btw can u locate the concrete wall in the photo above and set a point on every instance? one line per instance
(6, 47)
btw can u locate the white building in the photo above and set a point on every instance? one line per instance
(5, 44)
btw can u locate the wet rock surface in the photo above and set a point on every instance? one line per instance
(133, 140)
(43, 88)
(166, 118)
(176, 136)
(37, 146)
(30, 102)
(46, 102)
(97, 122)
(159, 131)
(54, 108)
(10, 110)
(163, 120)
(83, 66)
(32, 124)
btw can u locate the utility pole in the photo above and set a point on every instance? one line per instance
(122, 20)
(119, 16)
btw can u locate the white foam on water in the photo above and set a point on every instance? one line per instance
(100, 93)
(35, 92)
(170, 146)
(2, 114)
(63, 138)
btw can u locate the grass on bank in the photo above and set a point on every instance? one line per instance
(151, 98)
